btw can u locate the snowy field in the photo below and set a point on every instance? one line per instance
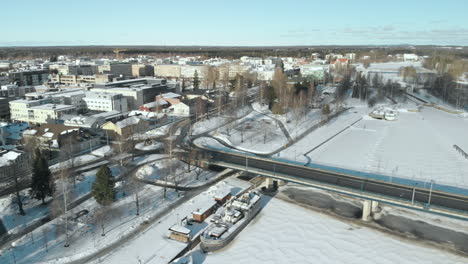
(207, 125)
(255, 132)
(286, 233)
(155, 171)
(296, 151)
(418, 145)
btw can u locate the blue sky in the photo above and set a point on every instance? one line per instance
(237, 23)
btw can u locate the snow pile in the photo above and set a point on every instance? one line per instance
(102, 152)
(154, 146)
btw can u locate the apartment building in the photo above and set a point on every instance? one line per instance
(39, 111)
(139, 70)
(73, 97)
(29, 77)
(106, 102)
(167, 71)
(120, 69)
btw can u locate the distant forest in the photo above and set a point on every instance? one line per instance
(18, 53)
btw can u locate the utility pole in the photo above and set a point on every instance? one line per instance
(246, 162)
(430, 193)
(414, 193)
(65, 207)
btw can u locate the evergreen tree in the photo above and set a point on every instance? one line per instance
(196, 81)
(103, 188)
(270, 96)
(42, 183)
(183, 85)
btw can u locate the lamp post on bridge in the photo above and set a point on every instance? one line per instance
(430, 193)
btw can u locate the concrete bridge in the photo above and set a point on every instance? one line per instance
(452, 203)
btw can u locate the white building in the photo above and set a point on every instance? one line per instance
(265, 75)
(38, 111)
(134, 95)
(410, 57)
(101, 101)
(73, 97)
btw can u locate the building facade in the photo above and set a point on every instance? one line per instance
(38, 111)
(102, 101)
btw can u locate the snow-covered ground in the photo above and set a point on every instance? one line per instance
(216, 121)
(35, 209)
(146, 147)
(80, 160)
(102, 151)
(153, 246)
(418, 145)
(85, 232)
(295, 125)
(255, 132)
(180, 174)
(286, 233)
(148, 158)
(10, 216)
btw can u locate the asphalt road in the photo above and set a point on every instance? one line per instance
(448, 200)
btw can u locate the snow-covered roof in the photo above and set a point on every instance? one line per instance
(7, 157)
(48, 135)
(68, 131)
(128, 122)
(220, 194)
(170, 95)
(145, 114)
(205, 207)
(81, 121)
(180, 229)
(156, 103)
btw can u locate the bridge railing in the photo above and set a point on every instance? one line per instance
(425, 184)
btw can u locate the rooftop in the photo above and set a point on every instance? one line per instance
(53, 107)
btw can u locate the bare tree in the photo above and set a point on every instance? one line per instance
(100, 218)
(168, 171)
(212, 76)
(241, 91)
(17, 170)
(59, 205)
(198, 172)
(200, 108)
(134, 186)
(67, 153)
(45, 231)
(279, 85)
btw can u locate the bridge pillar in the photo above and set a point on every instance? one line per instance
(268, 183)
(375, 207)
(366, 210)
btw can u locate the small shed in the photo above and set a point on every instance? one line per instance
(179, 233)
(202, 213)
(221, 197)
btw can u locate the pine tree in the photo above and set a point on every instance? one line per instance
(103, 188)
(42, 183)
(183, 85)
(196, 81)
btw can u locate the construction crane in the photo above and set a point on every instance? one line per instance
(117, 53)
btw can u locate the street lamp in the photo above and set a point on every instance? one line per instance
(430, 193)
(246, 162)
(12, 248)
